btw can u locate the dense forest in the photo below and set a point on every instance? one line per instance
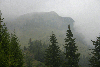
(40, 53)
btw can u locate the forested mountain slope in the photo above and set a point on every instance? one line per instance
(39, 26)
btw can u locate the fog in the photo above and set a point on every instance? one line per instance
(86, 13)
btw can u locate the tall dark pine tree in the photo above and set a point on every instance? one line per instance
(95, 59)
(71, 56)
(16, 56)
(10, 53)
(4, 44)
(52, 56)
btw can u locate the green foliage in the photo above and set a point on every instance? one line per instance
(39, 27)
(71, 56)
(95, 59)
(25, 48)
(37, 48)
(28, 59)
(52, 55)
(16, 56)
(40, 65)
(4, 44)
(10, 53)
(35, 51)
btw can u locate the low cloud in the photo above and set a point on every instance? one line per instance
(86, 13)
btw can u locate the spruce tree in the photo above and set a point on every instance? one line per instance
(16, 56)
(52, 53)
(95, 59)
(28, 59)
(72, 58)
(10, 53)
(4, 44)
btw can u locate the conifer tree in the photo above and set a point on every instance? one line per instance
(10, 52)
(4, 44)
(28, 59)
(71, 56)
(16, 56)
(95, 59)
(52, 55)
(25, 48)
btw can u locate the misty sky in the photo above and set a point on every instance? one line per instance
(86, 13)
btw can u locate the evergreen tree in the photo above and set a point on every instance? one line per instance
(10, 53)
(39, 51)
(25, 48)
(4, 44)
(72, 58)
(95, 59)
(52, 55)
(28, 59)
(37, 48)
(16, 56)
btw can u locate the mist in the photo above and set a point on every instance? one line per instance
(86, 13)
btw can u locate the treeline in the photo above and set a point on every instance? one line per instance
(49, 54)
(52, 56)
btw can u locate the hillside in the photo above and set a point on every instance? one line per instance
(39, 26)
(36, 25)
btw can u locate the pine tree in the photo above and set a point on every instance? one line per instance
(10, 53)
(72, 58)
(52, 53)
(25, 48)
(95, 59)
(16, 56)
(4, 44)
(28, 59)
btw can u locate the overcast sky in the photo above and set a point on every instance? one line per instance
(86, 13)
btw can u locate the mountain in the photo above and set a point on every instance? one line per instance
(45, 18)
(39, 26)
(35, 25)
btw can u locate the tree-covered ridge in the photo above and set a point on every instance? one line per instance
(42, 54)
(39, 27)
